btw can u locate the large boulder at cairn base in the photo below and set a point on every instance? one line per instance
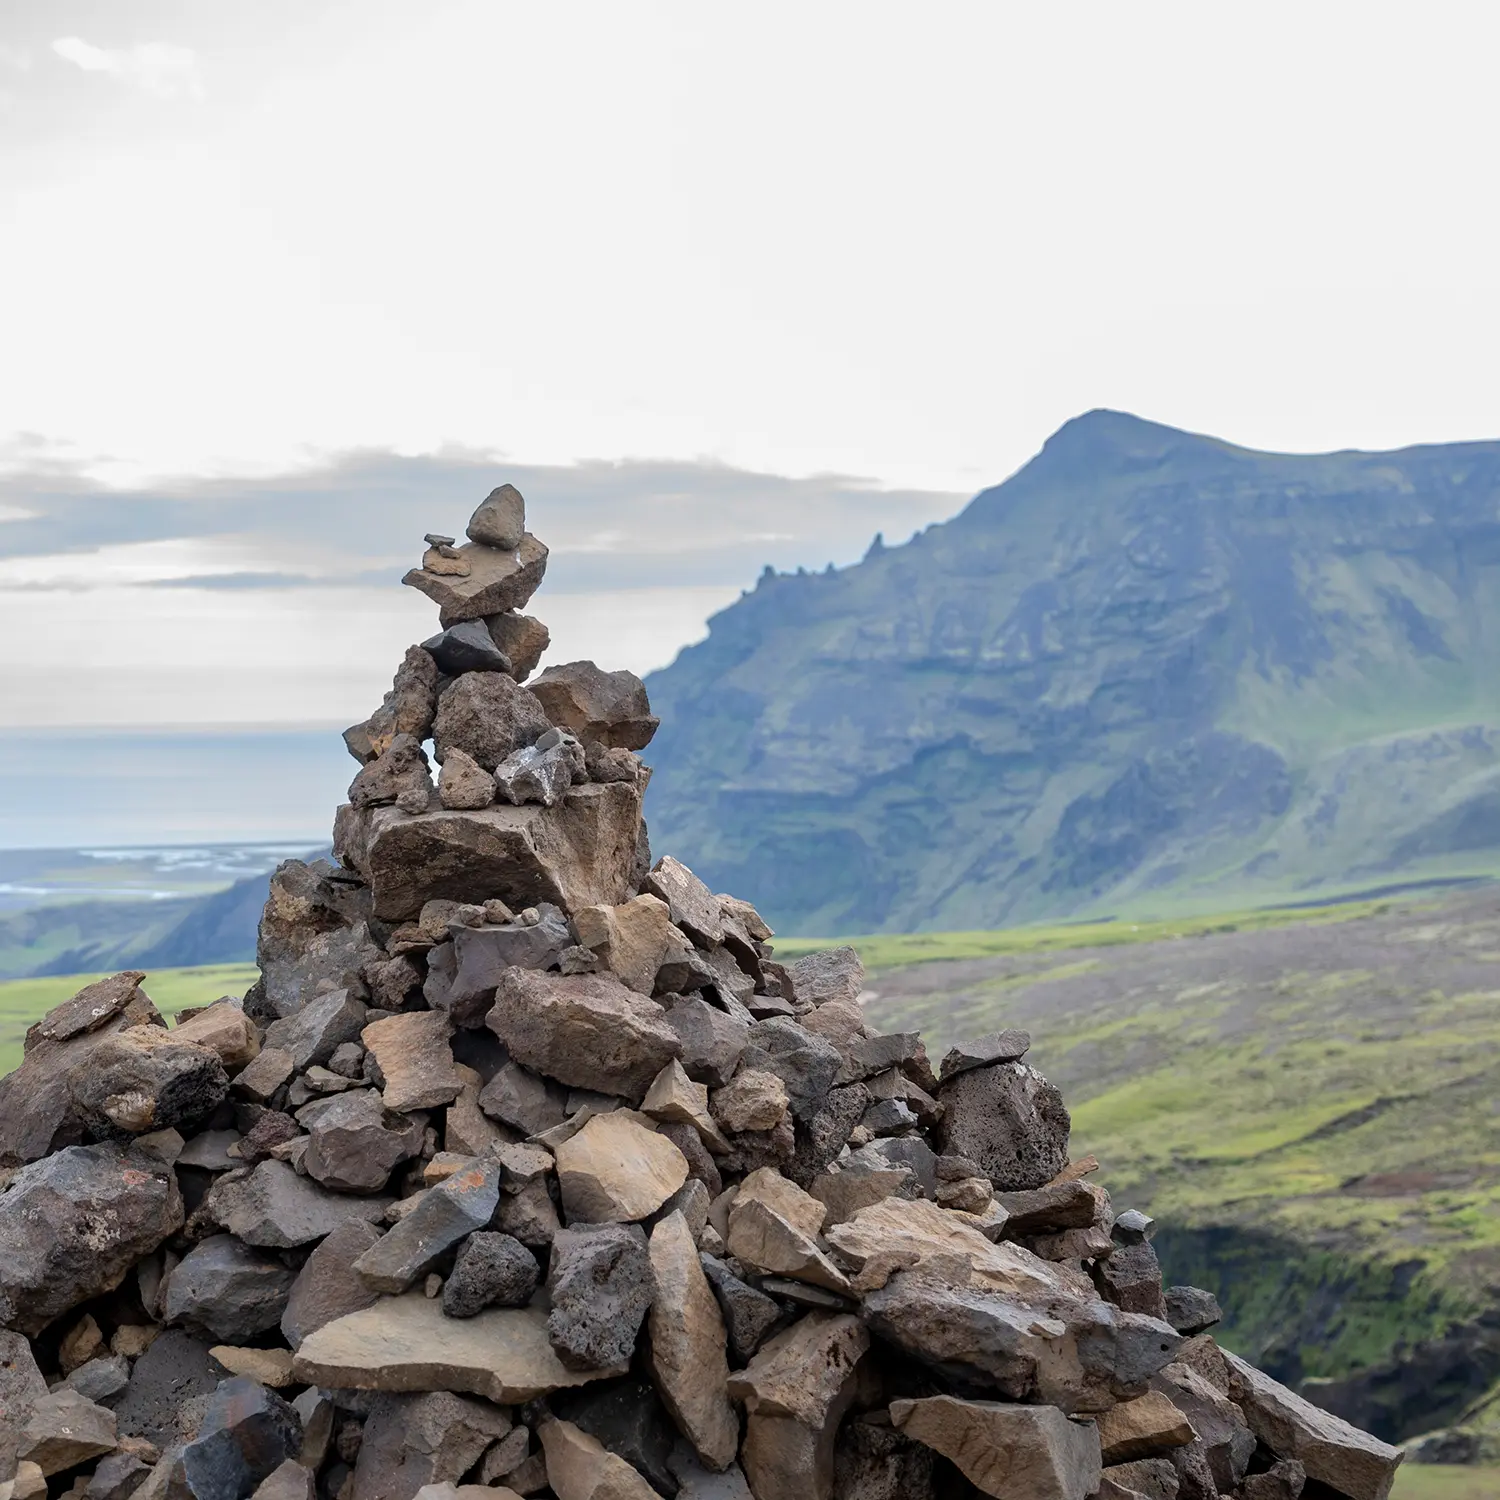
(73, 1225)
(496, 581)
(580, 853)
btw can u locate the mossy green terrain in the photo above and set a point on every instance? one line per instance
(24, 1001)
(1445, 1482)
(1306, 1101)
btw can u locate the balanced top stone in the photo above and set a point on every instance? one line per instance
(526, 1168)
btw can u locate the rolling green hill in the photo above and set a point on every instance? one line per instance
(1151, 672)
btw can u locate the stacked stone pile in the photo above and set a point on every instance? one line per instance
(527, 1170)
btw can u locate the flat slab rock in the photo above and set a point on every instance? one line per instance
(408, 1344)
(579, 853)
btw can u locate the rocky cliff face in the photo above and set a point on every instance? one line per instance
(1149, 660)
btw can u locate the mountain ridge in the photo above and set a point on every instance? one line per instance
(1149, 665)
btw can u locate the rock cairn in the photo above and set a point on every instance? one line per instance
(526, 1170)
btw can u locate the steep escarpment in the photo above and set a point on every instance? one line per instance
(1149, 662)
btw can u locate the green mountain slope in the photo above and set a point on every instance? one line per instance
(1151, 670)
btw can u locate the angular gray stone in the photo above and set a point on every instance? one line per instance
(118, 1477)
(541, 773)
(466, 647)
(993, 1047)
(482, 954)
(749, 1315)
(1192, 1310)
(356, 1143)
(226, 1289)
(712, 1041)
(1077, 1354)
(500, 520)
(1131, 1279)
(102, 1379)
(458, 1206)
(496, 580)
(314, 937)
(487, 715)
(73, 1225)
(247, 1434)
(414, 1441)
(328, 1286)
(274, 1207)
(804, 1062)
(610, 707)
(492, 1270)
(326, 1022)
(586, 1030)
(1009, 1121)
(601, 1288)
(524, 1100)
(832, 974)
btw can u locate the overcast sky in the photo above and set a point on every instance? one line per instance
(286, 284)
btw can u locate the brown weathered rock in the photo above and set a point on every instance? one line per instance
(522, 638)
(687, 1346)
(400, 768)
(407, 709)
(64, 1429)
(1333, 1452)
(610, 707)
(73, 1225)
(1080, 1355)
(1146, 1479)
(617, 1169)
(415, 1059)
(633, 940)
(773, 1226)
(408, 1344)
(751, 1100)
(581, 853)
(487, 715)
(144, 1079)
(224, 1029)
(579, 1467)
(586, 1030)
(674, 1098)
(795, 1392)
(821, 978)
(1008, 1451)
(356, 1143)
(21, 1387)
(1144, 1428)
(497, 580)
(259, 1080)
(463, 784)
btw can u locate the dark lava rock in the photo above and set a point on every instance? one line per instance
(1009, 1121)
(466, 647)
(228, 1290)
(73, 1224)
(491, 1270)
(601, 1285)
(247, 1434)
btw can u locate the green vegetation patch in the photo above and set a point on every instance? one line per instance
(25, 1001)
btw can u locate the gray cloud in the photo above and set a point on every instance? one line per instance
(637, 524)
